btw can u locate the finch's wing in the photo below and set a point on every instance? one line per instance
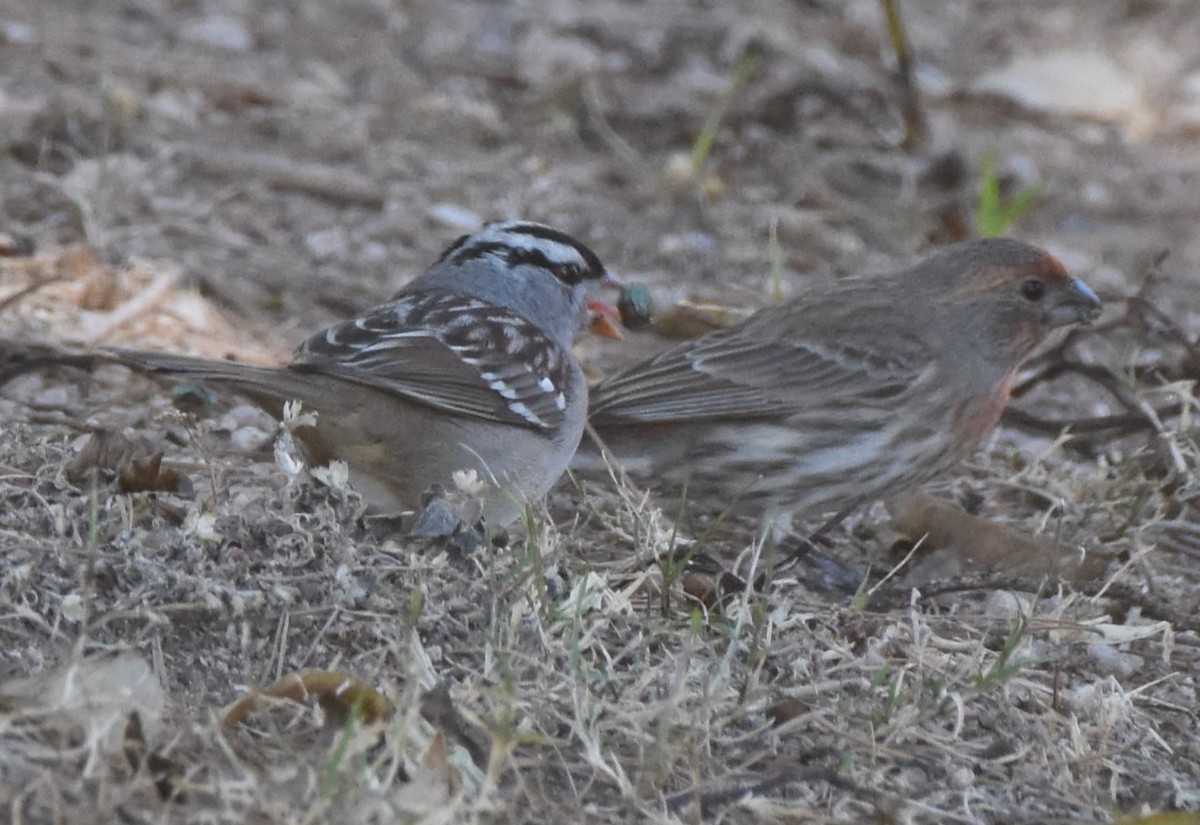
(748, 372)
(450, 352)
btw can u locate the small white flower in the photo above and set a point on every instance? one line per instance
(294, 417)
(468, 481)
(72, 608)
(201, 525)
(336, 476)
(285, 458)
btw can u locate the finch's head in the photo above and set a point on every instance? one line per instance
(1009, 295)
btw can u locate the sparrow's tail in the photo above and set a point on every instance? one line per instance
(269, 387)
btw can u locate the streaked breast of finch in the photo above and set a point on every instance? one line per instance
(850, 392)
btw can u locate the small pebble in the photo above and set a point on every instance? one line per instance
(13, 32)
(454, 216)
(327, 244)
(248, 439)
(219, 31)
(1110, 660)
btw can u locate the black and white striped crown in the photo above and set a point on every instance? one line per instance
(520, 242)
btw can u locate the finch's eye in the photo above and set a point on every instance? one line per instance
(1033, 289)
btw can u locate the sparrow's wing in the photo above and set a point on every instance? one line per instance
(450, 352)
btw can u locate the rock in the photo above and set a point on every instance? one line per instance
(219, 31)
(1082, 83)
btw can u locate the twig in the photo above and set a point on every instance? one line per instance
(20, 294)
(910, 102)
(727, 796)
(1151, 606)
(702, 147)
(622, 148)
(1137, 417)
(1122, 424)
(316, 179)
(1174, 332)
(19, 356)
(1057, 366)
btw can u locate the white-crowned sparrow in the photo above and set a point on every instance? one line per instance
(852, 391)
(468, 367)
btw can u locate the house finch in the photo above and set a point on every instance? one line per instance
(850, 392)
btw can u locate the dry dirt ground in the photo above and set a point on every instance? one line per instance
(225, 176)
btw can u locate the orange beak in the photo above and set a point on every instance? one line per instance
(604, 321)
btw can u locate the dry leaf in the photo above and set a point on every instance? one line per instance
(166, 774)
(337, 693)
(137, 465)
(72, 295)
(438, 708)
(236, 96)
(1098, 631)
(90, 699)
(683, 319)
(432, 783)
(1161, 818)
(688, 320)
(786, 709)
(101, 291)
(954, 542)
(16, 246)
(78, 263)
(148, 474)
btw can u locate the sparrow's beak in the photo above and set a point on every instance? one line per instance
(603, 322)
(1077, 304)
(611, 281)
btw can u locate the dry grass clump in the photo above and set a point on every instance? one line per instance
(203, 630)
(206, 631)
(569, 675)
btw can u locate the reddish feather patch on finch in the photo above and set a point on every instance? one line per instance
(850, 392)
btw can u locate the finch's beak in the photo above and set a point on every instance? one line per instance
(1077, 305)
(603, 322)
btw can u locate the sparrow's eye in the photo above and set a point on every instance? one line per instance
(569, 273)
(1032, 289)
